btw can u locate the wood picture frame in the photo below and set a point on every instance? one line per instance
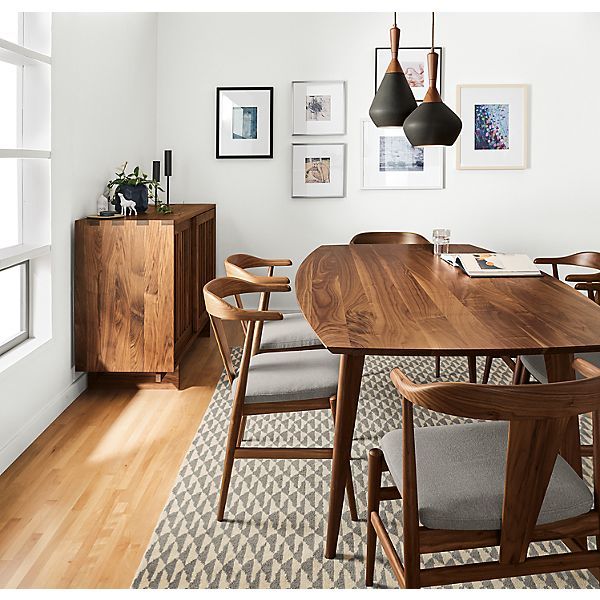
(501, 139)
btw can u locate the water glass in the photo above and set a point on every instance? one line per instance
(441, 241)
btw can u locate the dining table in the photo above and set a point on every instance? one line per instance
(402, 300)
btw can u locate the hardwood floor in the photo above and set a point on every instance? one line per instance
(77, 509)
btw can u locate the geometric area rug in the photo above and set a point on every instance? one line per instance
(274, 532)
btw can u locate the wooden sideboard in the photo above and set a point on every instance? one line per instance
(138, 292)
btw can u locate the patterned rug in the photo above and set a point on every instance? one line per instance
(273, 536)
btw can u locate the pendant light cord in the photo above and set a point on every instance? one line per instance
(432, 30)
(395, 19)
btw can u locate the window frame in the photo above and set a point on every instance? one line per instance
(25, 328)
(23, 253)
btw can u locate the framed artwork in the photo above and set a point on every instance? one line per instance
(390, 162)
(244, 122)
(318, 170)
(318, 107)
(414, 64)
(494, 133)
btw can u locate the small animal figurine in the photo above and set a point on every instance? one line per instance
(127, 204)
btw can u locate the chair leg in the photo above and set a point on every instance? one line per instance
(232, 438)
(472, 360)
(240, 438)
(487, 368)
(521, 374)
(349, 483)
(373, 485)
(518, 372)
(438, 366)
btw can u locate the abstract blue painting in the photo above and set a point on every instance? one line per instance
(244, 122)
(491, 126)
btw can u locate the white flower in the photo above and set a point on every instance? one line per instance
(121, 168)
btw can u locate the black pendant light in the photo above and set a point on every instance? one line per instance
(432, 123)
(394, 99)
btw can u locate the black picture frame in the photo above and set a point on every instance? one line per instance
(438, 49)
(268, 89)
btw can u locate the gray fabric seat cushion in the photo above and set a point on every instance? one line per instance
(536, 364)
(289, 376)
(291, 332)
(460, 477)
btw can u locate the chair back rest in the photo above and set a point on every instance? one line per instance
(220, 310)
(389, 237)
(237, 265)
(591, 260)
(538, 417)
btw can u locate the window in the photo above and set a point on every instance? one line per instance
(25, 65)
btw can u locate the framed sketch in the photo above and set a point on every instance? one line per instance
(494, 133)
(414, 64)
(390, 162)
(318, 170)
(244, 122)
(318, 107)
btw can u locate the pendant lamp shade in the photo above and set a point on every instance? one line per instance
(432, 123)
(394, 99)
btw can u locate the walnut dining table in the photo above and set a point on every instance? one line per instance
(395, 299)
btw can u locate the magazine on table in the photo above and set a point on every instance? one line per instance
(487, 264)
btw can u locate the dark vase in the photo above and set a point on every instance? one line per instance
(137, 193)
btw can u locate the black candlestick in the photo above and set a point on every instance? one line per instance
(168, 169)
(156, 178)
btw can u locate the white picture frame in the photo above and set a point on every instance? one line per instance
(390, 162)
(318, 108)
(495, 126)
(319, 170)
(244, 119)
(413, 61)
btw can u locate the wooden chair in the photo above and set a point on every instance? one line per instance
(408, 237)
(535, 365)
(389, 237)
(268, 383)
(488, 483)
(292, 332)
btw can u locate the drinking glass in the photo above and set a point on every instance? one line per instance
(441, 241)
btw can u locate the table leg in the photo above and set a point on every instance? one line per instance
(347, 402)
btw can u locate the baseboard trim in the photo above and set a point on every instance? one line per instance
(40, 422)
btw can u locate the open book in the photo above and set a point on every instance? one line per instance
(493, 265)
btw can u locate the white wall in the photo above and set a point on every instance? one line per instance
(550, 208)
(103, 112)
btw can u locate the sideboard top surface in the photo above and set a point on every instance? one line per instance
(181, 212)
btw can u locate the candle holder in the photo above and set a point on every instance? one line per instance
(168, 170)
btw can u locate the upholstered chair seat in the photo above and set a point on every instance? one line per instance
(290, 376)
(292, 332)
(536, 364)
(461, 473)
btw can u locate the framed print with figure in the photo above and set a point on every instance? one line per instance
(494, 134)
(318, 170)
(414, 64)
(245, 122)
